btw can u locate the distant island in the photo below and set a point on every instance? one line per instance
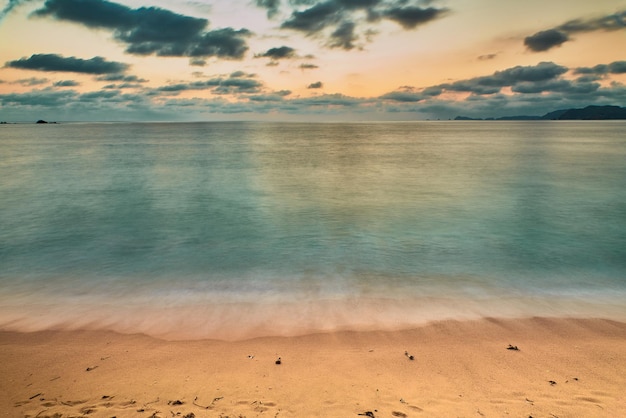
(587, 113)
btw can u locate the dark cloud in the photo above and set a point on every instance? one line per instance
(487, 57)
(276, 96)
(590, 78)
(343, 18)
(544, 76)
(544, 40)
(278, 53)
(271, 6)
(328, 100)
(534, 90)
(315, 18)
(343, 37)
(121, 77)
(48, 98)
(11, 4)
(308, 66)
(560, 86)
(540, 72)
(550, 38)
(241, 74)
(222, 43)
(66, 83)
(237, 83)
(316, 85)
(492, 84)
(403, 96)
(197, 62)
(411, 17)
(151, 30)
(616, 67)
(33, 81)
(54, 62)
(122, 86)
(610, 22)
(98, 95)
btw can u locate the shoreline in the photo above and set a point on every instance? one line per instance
(563, 367)
(176, 316)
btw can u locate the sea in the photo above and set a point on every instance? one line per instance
(235, 230)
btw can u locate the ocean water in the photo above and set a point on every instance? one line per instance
(236, 230)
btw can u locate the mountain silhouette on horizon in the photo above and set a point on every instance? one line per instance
(588, 113)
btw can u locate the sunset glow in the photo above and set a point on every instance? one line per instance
(307, 60)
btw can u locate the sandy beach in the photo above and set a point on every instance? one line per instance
(528, 367)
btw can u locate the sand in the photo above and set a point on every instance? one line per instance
(562, 368)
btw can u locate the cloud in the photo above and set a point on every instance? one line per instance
(54, 62)
(48, 98)
(11, 4)
(550, 38)
(33, 81)
(308, 66)
(122, 86)
(66, 83)
(121, 77)
(544, 40)
(237, 82)
(411, 17)
(530, 90)
(343, 37)
(316, 85)
(340, 20)
(487, 57)
(151, 30)
(197, 62)
(276, 96)
(616, 67)
(406, 95)
(271, 6)
(315, 18)
(278, 53)
(519, 90)
(328, 100)
(561, 86)
(544, 76)
(492, 84)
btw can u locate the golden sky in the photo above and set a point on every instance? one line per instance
(307, 59)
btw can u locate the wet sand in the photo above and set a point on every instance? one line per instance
(528, 367)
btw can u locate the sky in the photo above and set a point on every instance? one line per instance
(307, 60)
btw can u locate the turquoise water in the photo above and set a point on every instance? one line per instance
(230, 230)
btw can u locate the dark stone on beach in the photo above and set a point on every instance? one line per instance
(368, 414)
(278, 361)
(512, 347)
(406, 353)
(552, 382)
(41, 121)
(176, 402)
